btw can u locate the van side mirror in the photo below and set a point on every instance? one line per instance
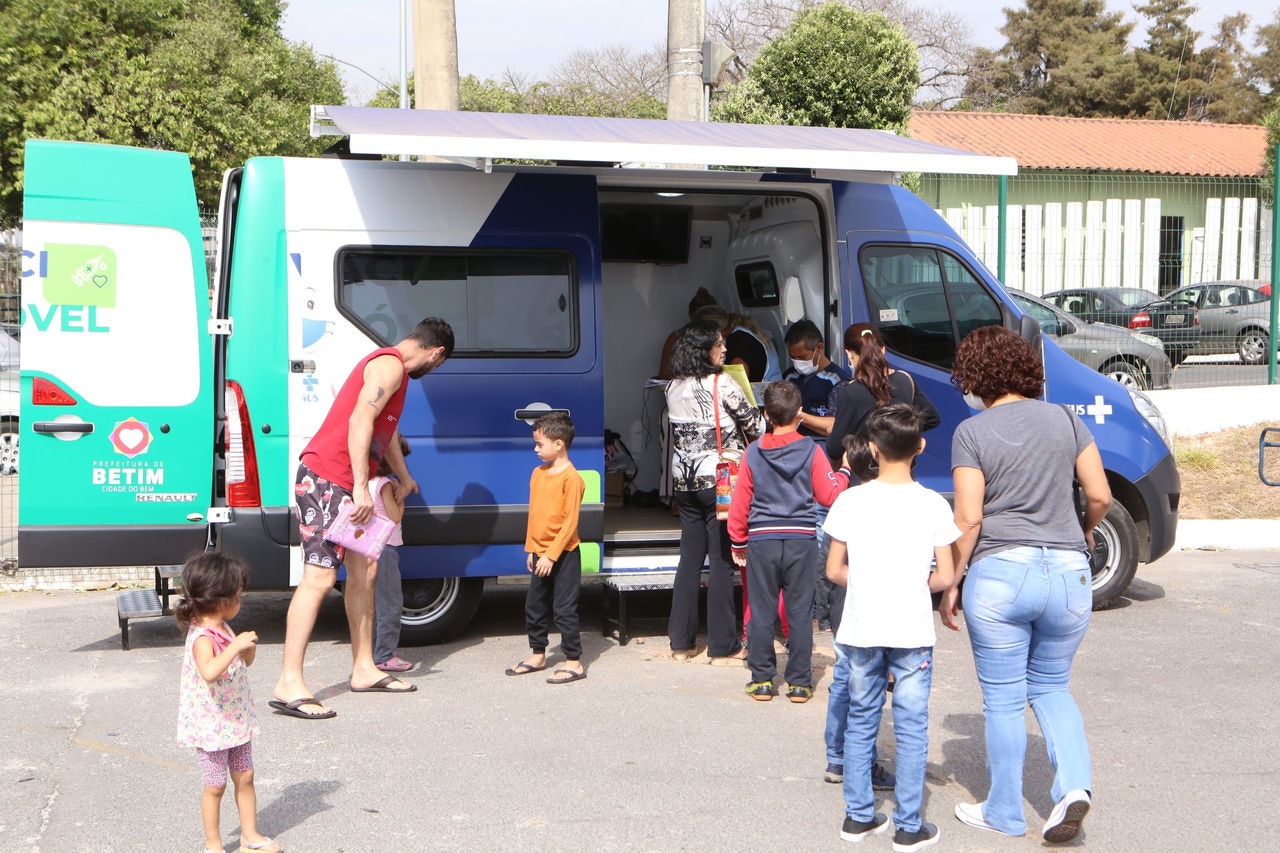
(1029, 331)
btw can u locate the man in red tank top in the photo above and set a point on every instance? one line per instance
(335, 468)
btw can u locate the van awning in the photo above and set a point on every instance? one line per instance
(474, 136)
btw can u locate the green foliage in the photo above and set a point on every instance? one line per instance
(833, 67)
(213, 78)
(576, 99)
(1272, 124)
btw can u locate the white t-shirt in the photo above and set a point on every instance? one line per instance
(890, 531)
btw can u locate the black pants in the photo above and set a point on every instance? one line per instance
(558, 591)
(787, 565)
(703, 538)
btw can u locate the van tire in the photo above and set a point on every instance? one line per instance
(437, 609)
(1115, 556)
(8, 446)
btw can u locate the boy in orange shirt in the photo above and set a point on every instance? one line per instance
(551, 540)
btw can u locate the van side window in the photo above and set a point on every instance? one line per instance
(499, 303)
(924, 301)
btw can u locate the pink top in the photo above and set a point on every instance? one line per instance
(219, 715)
(380, 507)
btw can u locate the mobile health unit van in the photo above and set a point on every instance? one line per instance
(157, 421)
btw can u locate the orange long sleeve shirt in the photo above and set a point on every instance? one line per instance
(554, 500)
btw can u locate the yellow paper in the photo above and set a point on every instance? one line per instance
(739, 374)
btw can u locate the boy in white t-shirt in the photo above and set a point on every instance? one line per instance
(884, 535)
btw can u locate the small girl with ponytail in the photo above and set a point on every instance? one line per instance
(215, 710)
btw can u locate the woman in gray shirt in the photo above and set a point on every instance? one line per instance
(1028, 597)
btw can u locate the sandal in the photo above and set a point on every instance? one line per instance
(761, 691)
(266, 845)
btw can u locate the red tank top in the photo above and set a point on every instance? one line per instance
(327, 453)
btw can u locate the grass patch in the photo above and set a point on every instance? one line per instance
(1220, 475)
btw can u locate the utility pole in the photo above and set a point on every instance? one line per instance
(435, 55)
(686, 28)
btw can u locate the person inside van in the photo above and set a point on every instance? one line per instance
(701, 299)
(334, 469)
(746, 344)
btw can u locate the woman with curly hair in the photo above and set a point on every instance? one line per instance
(694, 397)
(1028, 597)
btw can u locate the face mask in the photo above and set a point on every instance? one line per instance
(974, 402)
(804, 368)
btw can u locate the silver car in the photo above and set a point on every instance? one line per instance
(1134, 360)
(1235, 317)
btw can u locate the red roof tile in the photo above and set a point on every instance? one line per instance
(1112, 145)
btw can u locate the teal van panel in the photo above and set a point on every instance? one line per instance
(115, 309)
(258, 351)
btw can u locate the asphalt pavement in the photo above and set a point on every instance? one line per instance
(1177, 685)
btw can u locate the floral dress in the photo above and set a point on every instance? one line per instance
(220, 715)
(691, 412)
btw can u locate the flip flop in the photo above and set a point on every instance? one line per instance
(568, 677)
(293, 709)
(523, 668)
(383, 685)
(269, 845)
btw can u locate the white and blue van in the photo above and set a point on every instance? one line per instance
(162, 413)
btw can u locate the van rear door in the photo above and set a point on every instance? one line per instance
(116, 408)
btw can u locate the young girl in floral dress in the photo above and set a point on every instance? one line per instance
(215, 709)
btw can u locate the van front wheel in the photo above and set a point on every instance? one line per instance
(437, 609)
(1114, 557)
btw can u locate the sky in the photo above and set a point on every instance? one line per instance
(530, 37)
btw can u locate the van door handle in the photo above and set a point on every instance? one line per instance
(62, 426)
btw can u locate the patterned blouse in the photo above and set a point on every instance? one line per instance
(691, 413)
(220, 715)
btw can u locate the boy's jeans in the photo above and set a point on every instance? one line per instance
(869, 670)
(1027, 610)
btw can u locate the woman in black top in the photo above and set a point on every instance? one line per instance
(874, 384)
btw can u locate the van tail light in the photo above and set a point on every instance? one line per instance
(241, 458)
(46, 393)
(1141, 320)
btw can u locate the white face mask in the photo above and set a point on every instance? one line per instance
(974, 402)
(804, 368)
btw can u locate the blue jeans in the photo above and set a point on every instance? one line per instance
(1027, 609)
(869, 670)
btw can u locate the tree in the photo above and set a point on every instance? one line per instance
(1068, 57)
(833, 67)
(213, 78)
(1163, 85)
(1272, 124)
(1264, 64)
(942, 39)
(1226, 94)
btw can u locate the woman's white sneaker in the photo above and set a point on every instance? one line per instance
(1065, 819)
(970, 814)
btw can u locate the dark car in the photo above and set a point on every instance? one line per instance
(1177, 326)
(1134, 360)
(1235, 317)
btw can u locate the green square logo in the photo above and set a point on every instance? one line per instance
(80, 275)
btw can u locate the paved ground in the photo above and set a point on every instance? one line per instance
(1178, 688)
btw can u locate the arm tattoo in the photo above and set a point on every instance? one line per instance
(379, 396)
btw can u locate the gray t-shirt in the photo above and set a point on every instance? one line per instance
(1026, 451)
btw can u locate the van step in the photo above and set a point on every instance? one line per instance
(146, 603)
(616, 588)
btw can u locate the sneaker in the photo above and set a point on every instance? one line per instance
(761, 691)
(881, 779)
(799, 694)
(926, 836)
(824, 625)
(970, 814)
(834, 773)
(1065, 819)
(856, 830)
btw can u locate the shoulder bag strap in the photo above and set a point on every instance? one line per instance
(715, 397)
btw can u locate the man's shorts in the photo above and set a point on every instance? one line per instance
(318, 503)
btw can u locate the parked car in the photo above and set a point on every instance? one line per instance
(1235, 317)
(1133, 359)
(1134, 308)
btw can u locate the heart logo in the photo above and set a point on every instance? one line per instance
(359, 532)
(131, 438)
(101, 280)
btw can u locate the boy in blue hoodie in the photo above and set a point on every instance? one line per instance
(772, 526)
